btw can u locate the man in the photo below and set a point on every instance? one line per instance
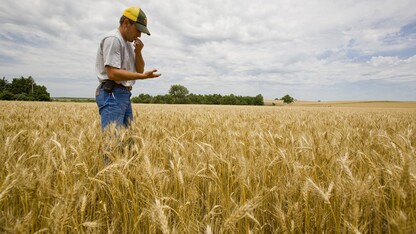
(119, 63)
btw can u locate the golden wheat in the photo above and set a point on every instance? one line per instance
(208, 169)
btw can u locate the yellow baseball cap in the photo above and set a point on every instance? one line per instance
(137, 15)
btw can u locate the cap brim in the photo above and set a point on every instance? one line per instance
(142, 28)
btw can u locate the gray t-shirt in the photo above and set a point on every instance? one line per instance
(114, 51)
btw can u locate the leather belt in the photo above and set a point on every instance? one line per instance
(115, 85)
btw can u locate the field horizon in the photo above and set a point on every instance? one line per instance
(306, 103)
(346, 103)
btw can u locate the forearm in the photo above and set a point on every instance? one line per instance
(139, 62)
(122, 75)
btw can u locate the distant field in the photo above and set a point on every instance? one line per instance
(377, 104)
(302, 168)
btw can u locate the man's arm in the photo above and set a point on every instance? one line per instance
(139, 61)
(119, 74)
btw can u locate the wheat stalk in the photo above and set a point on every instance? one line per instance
(159, 217)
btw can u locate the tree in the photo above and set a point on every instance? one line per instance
(179, 93)
(7, 95)
(40, 93)
(259, 100)
(160, 99)
(287, 99)
(3, 84)
(145, 98)
(228, 100)
(24, 89)
(21, 85)
(196, 98)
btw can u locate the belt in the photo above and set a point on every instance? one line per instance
(123, 87)
(116, 85)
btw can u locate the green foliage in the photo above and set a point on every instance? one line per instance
(3, 84)
(24, 89)
(287, 99)
(142, 98)
(179, 94)
(6, 95)
(178, 91)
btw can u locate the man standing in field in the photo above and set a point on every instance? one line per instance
(119, 63)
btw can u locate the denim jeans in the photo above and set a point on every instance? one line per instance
(114, 107)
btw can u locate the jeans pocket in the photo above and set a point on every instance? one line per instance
(100, 97)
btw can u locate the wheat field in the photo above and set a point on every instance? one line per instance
(208, 169)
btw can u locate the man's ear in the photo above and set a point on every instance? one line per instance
(126, 22)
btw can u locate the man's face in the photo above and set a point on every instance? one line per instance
(132, 32)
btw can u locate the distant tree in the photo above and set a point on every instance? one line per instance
(179, 93)
(22, 85)
(213, 99)
(287, 99)
(258, 100)
(159, 99)
(196, 98)
(23, 89)
(228, 100)
(40, 93)
(145, 98)
(7, 95)
(3, 84)
(142, 98)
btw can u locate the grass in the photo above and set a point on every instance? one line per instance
(208, 169)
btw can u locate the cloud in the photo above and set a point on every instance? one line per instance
(228, 46)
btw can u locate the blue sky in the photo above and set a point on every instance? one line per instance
(312, 50)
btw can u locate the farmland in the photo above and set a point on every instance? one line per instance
(311, 168)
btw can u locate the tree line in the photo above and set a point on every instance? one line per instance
(24, 89)
(179, 94)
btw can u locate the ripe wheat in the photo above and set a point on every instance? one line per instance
(208, 169)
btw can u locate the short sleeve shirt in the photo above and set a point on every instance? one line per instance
(114, 51)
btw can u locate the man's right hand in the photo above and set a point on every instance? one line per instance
(151, 74)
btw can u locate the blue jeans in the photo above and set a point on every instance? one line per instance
(114, 107)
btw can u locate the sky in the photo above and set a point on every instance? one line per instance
(312, 50)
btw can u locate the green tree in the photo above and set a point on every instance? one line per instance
(3, 84)
(22, 85)
(228, 100)
(7, 95)
(258, 100)
(145, 98)
(212, 99)
(196, 98)
(159, 99)
(287, 99)
(179, 93)
(40, 93)
(24, 89)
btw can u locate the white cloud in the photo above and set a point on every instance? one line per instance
(219, 46)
